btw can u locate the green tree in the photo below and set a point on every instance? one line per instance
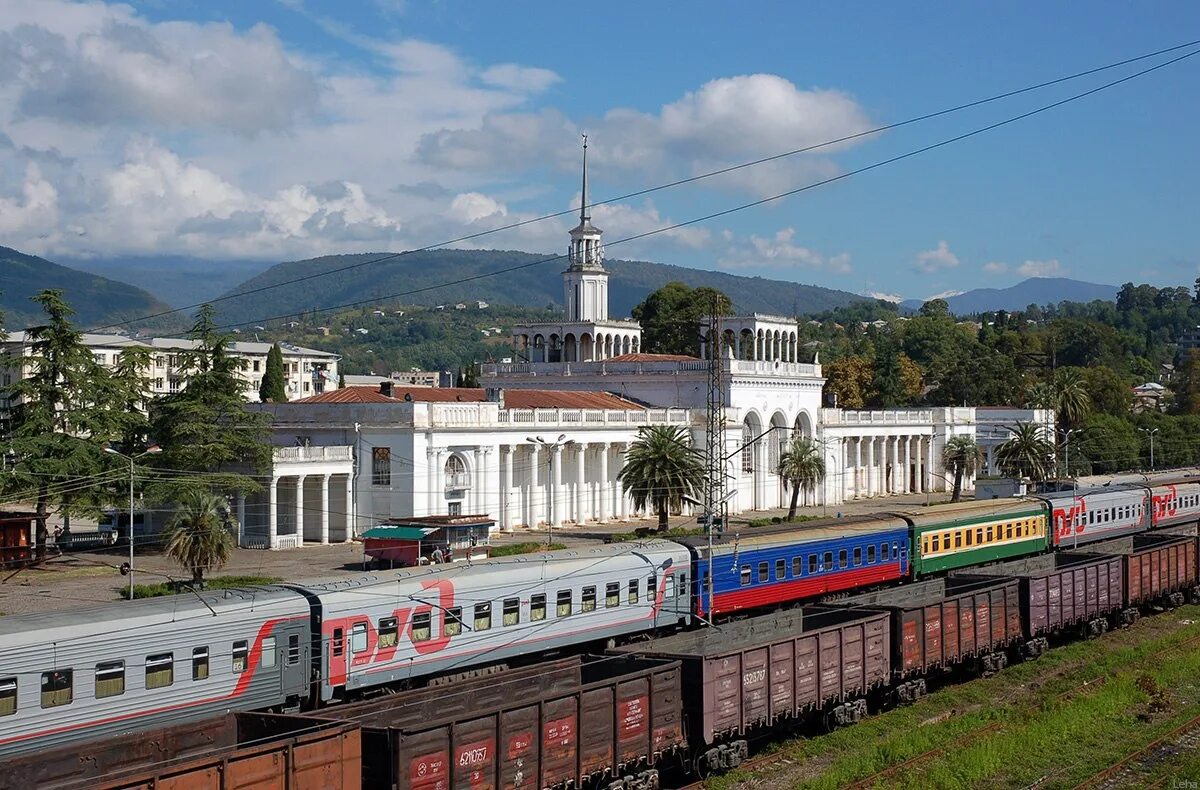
(1108, 392)
(848, 382)
(1071, 397)
(935, 308)
(661, 468)
(1187, 394)
(206, 427)
(962, 457)
(1107, 444)
(272, 389)
(198, 536)
(58, 422)
(467, 376)
(671, 317)
(1026, 453)
(802, 467)
(887, 383)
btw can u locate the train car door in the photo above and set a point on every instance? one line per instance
(294, 659)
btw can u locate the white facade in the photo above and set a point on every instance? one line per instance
(307, 371)
(308, 496)
(994, 429)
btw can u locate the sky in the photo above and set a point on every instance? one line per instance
(248, 129)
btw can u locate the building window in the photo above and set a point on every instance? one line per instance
(160, 670)
(456, 474)
(110, 679)
(454, 508)
(389, 632)
(240, 651)
(199, 663)
(537, 607)
(452, 622)
(381, 466)
(57, 688)
(256, 366)
(8, 696)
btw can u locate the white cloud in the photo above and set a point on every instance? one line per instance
(625, 220)
(779, 252)
(936, 259)
(524, 79)
(995, 267)
(1048, 268)
(34, 212)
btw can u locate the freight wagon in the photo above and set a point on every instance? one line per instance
(244, 751)
(1159, 569)
(607, 721)
(939, 624)
(776, 670)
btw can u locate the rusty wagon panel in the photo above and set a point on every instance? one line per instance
(780, 666)
(548, 725)
(942, 622)
(1156, 564)
(243, 751)
(1060, 589)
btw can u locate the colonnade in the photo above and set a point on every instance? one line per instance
(307, 515)
(886, 465)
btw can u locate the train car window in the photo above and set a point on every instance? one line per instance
(797, 566)
(857, 556)
(564, 603)
(242, 649)
(8, 696)
(990, 535)
(970, 535)
(200, 662)
(633, 591)
(668, 588)
(871, 553)
(780, 569)
(483, 616)
(422, 627)
(979, 535)
(338, 642)
(293, 656)
(827, 561)
(589, 599)
(763, 572)
(935, 544)
(57, 688)
(270, 654)
(511, 613)
(612, 595)
(110, 679)
(389, 632)
(812, 564)
(650, 585)
(1008, 531)
(537, 607)
(160, 670)
(682, 589)
(358, 638)
(842, 558)
(745, 575)
(883, 551)
(452, 619)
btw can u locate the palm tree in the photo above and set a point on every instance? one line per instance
(661, 468)
(801, 466)
(198, 537)
(1071, 397)
(1027, 453)
(962, 456)
(1041, 396)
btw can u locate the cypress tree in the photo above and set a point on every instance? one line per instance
(272, 387)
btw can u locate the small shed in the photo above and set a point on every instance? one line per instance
(428, 539)
(16, 538)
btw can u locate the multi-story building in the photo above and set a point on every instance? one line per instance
(307, 371)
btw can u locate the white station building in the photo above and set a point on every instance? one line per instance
(542, 443)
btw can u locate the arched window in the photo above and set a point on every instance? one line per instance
(456, 474)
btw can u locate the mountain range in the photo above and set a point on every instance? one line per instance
(1035, 290)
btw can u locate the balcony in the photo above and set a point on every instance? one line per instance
(297, 455)
(458, 481)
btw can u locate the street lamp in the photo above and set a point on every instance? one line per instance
(558, 443)
(1150, 432)
(153, 449)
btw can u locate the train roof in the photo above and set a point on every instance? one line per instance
(970, 510)
(1107, 488)
(823, 529)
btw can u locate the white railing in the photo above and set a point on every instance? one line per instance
(576, 418)
(456, 481)
(293, 455)
(766, 367)
(882, 417)
(461, 414)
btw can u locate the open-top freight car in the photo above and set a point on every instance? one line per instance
(939, 624)
(244, 751)
(1160, 568)
(777, 670)
(603, 722)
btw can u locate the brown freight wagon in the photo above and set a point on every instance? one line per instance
(941, 623)
(1160, 568)
(605, 721)
(243, 751)
(781, 668)
(1060, 591)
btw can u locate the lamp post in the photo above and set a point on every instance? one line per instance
(153, 449)
(551, 447)
(1066, 434)
(1150, 432)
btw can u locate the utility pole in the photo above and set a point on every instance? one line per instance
(1150, 432)
(714, 445)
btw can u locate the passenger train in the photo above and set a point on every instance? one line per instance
(124, 667)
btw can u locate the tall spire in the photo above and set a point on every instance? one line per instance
(583, 215)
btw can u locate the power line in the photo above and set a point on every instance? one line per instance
(671, 185)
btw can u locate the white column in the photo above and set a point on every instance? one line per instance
(300, 508)
(605, 490)
(507, 455)
(622, 497)
(871, 466)
(907, 444)
(479, 496)
(929, 460)
(324, 508)
(241, 516)
(534, 496)
(351, 510)
(556, 498)
(273, 513)
(431, 481)
(580, 482)
(894, 464)
(439, 483)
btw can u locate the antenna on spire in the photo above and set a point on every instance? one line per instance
(583, 214)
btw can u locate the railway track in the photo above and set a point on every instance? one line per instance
(1130, 771)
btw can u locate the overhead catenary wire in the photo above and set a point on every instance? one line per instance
(672, 184)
